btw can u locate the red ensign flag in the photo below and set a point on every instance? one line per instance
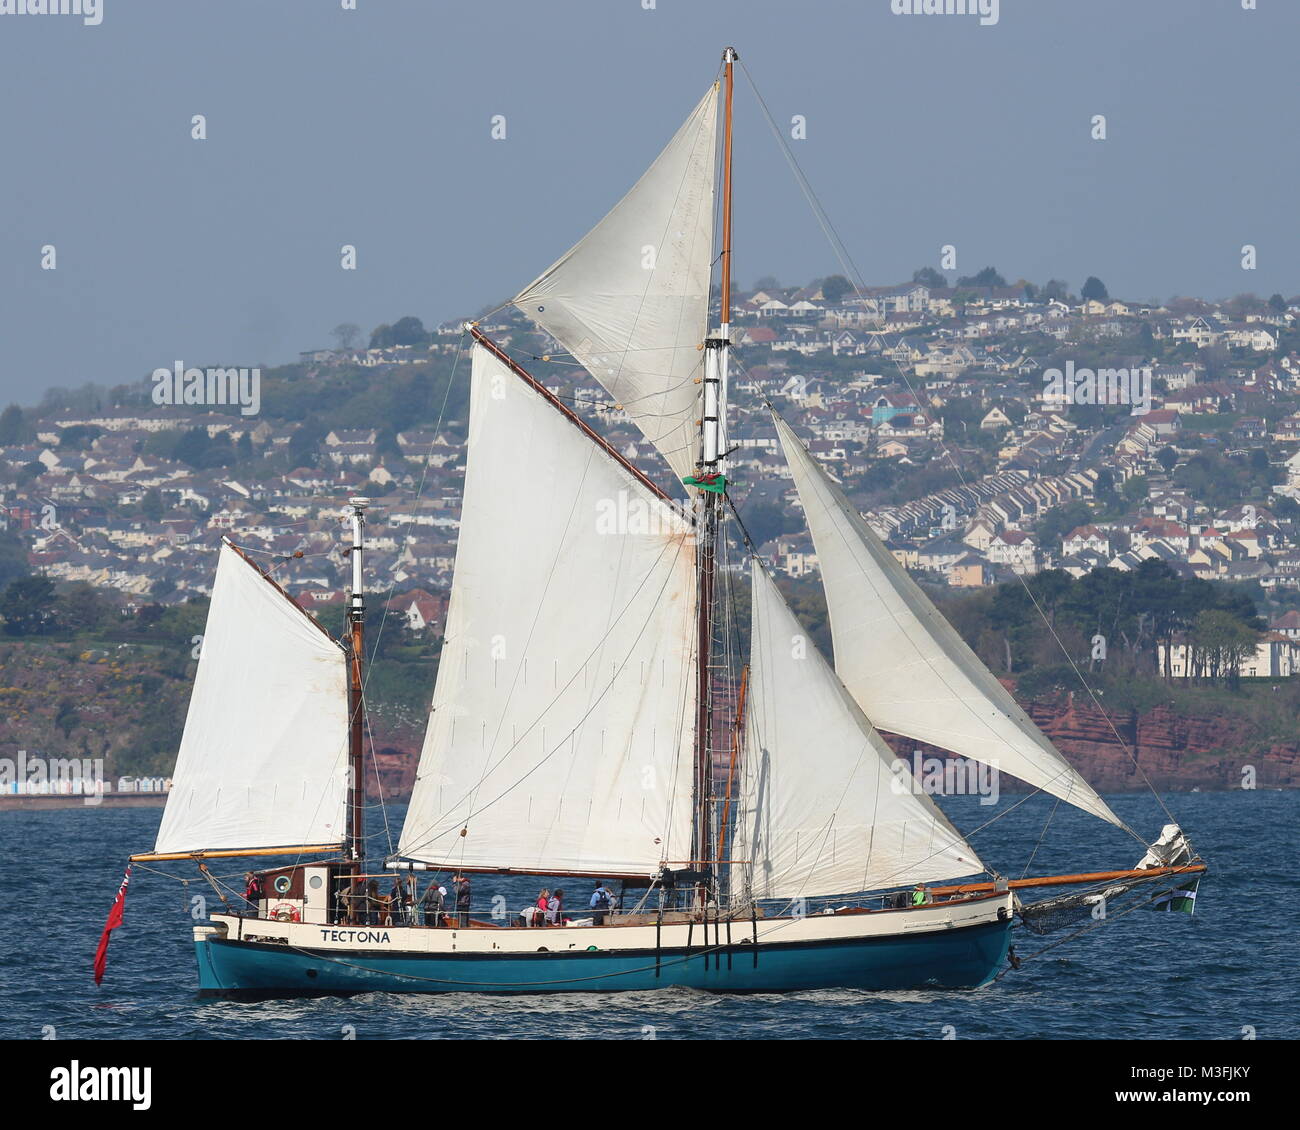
(114, 921)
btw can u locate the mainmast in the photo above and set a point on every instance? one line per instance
(355, 844)
(711, 477)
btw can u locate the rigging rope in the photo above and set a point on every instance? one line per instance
(1083, 930)
(854, 276)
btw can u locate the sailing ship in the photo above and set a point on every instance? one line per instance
(594, 715)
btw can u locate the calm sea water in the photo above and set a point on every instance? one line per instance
(1146, 975)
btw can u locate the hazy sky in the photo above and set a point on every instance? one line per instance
(373, 128)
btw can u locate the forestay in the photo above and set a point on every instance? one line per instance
(560, 735)
(263, 760)
(630, 300)
(826, 807)
(906, 666)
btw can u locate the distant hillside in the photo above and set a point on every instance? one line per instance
(120, 692)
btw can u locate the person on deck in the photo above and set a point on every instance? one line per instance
(252, 888)
(602, 898)
(435, 899)
(555, 908)
(462, 901)
(352, 902)
(543, 903)
(920, 896)
(396, 897)
(373, 903)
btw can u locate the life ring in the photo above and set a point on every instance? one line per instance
(282, 884)
(285, 912)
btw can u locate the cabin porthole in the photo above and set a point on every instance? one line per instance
(315, 882)
(542, 949)
(282, 884)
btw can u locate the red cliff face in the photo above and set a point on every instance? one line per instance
(396, 771)
(1175, 751)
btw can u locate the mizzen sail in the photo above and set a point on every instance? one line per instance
(824, 809)
(630, 300)
(906, 666)
(560, 734)
(263, 760)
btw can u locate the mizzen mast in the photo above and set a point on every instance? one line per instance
(710, 477)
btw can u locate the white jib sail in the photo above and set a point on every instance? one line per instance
(263, 760)
(630, 300)
(909, 670)
(560, 737)
(827, 808)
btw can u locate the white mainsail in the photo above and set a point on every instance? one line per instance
(263, 760)
(560, 737)
(906, 666)
(630, 300)
(824, 809)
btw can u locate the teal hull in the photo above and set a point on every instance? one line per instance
(961, 958)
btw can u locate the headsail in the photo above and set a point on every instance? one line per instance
(905, 664)
(630, 300)
(263, 761)
(560, 735)
(823, 810)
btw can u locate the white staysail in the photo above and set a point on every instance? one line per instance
(630, 300)
(263, 761)
(906, 666)
(825, 810)
(560, 737)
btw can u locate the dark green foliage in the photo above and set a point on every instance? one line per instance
(1094, 288)
(29, 607)
(767, 520)
(13, 558)
(79, 437)
(14, 427)
(405, 331)
(1109, 622)
(835, 288)
(987, 277)
(1223, 480)
(928, 276)
(1060, 520)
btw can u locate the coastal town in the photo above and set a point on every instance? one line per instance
(986, 430)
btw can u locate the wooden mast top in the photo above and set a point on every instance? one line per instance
(729, 57)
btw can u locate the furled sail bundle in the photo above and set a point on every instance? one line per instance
(630, 299)
(906, 666)
(823, 809)
(263, 760)
(560, 735)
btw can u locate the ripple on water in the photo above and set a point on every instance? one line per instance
(1143, 976)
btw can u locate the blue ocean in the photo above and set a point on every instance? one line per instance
(1226, 973)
